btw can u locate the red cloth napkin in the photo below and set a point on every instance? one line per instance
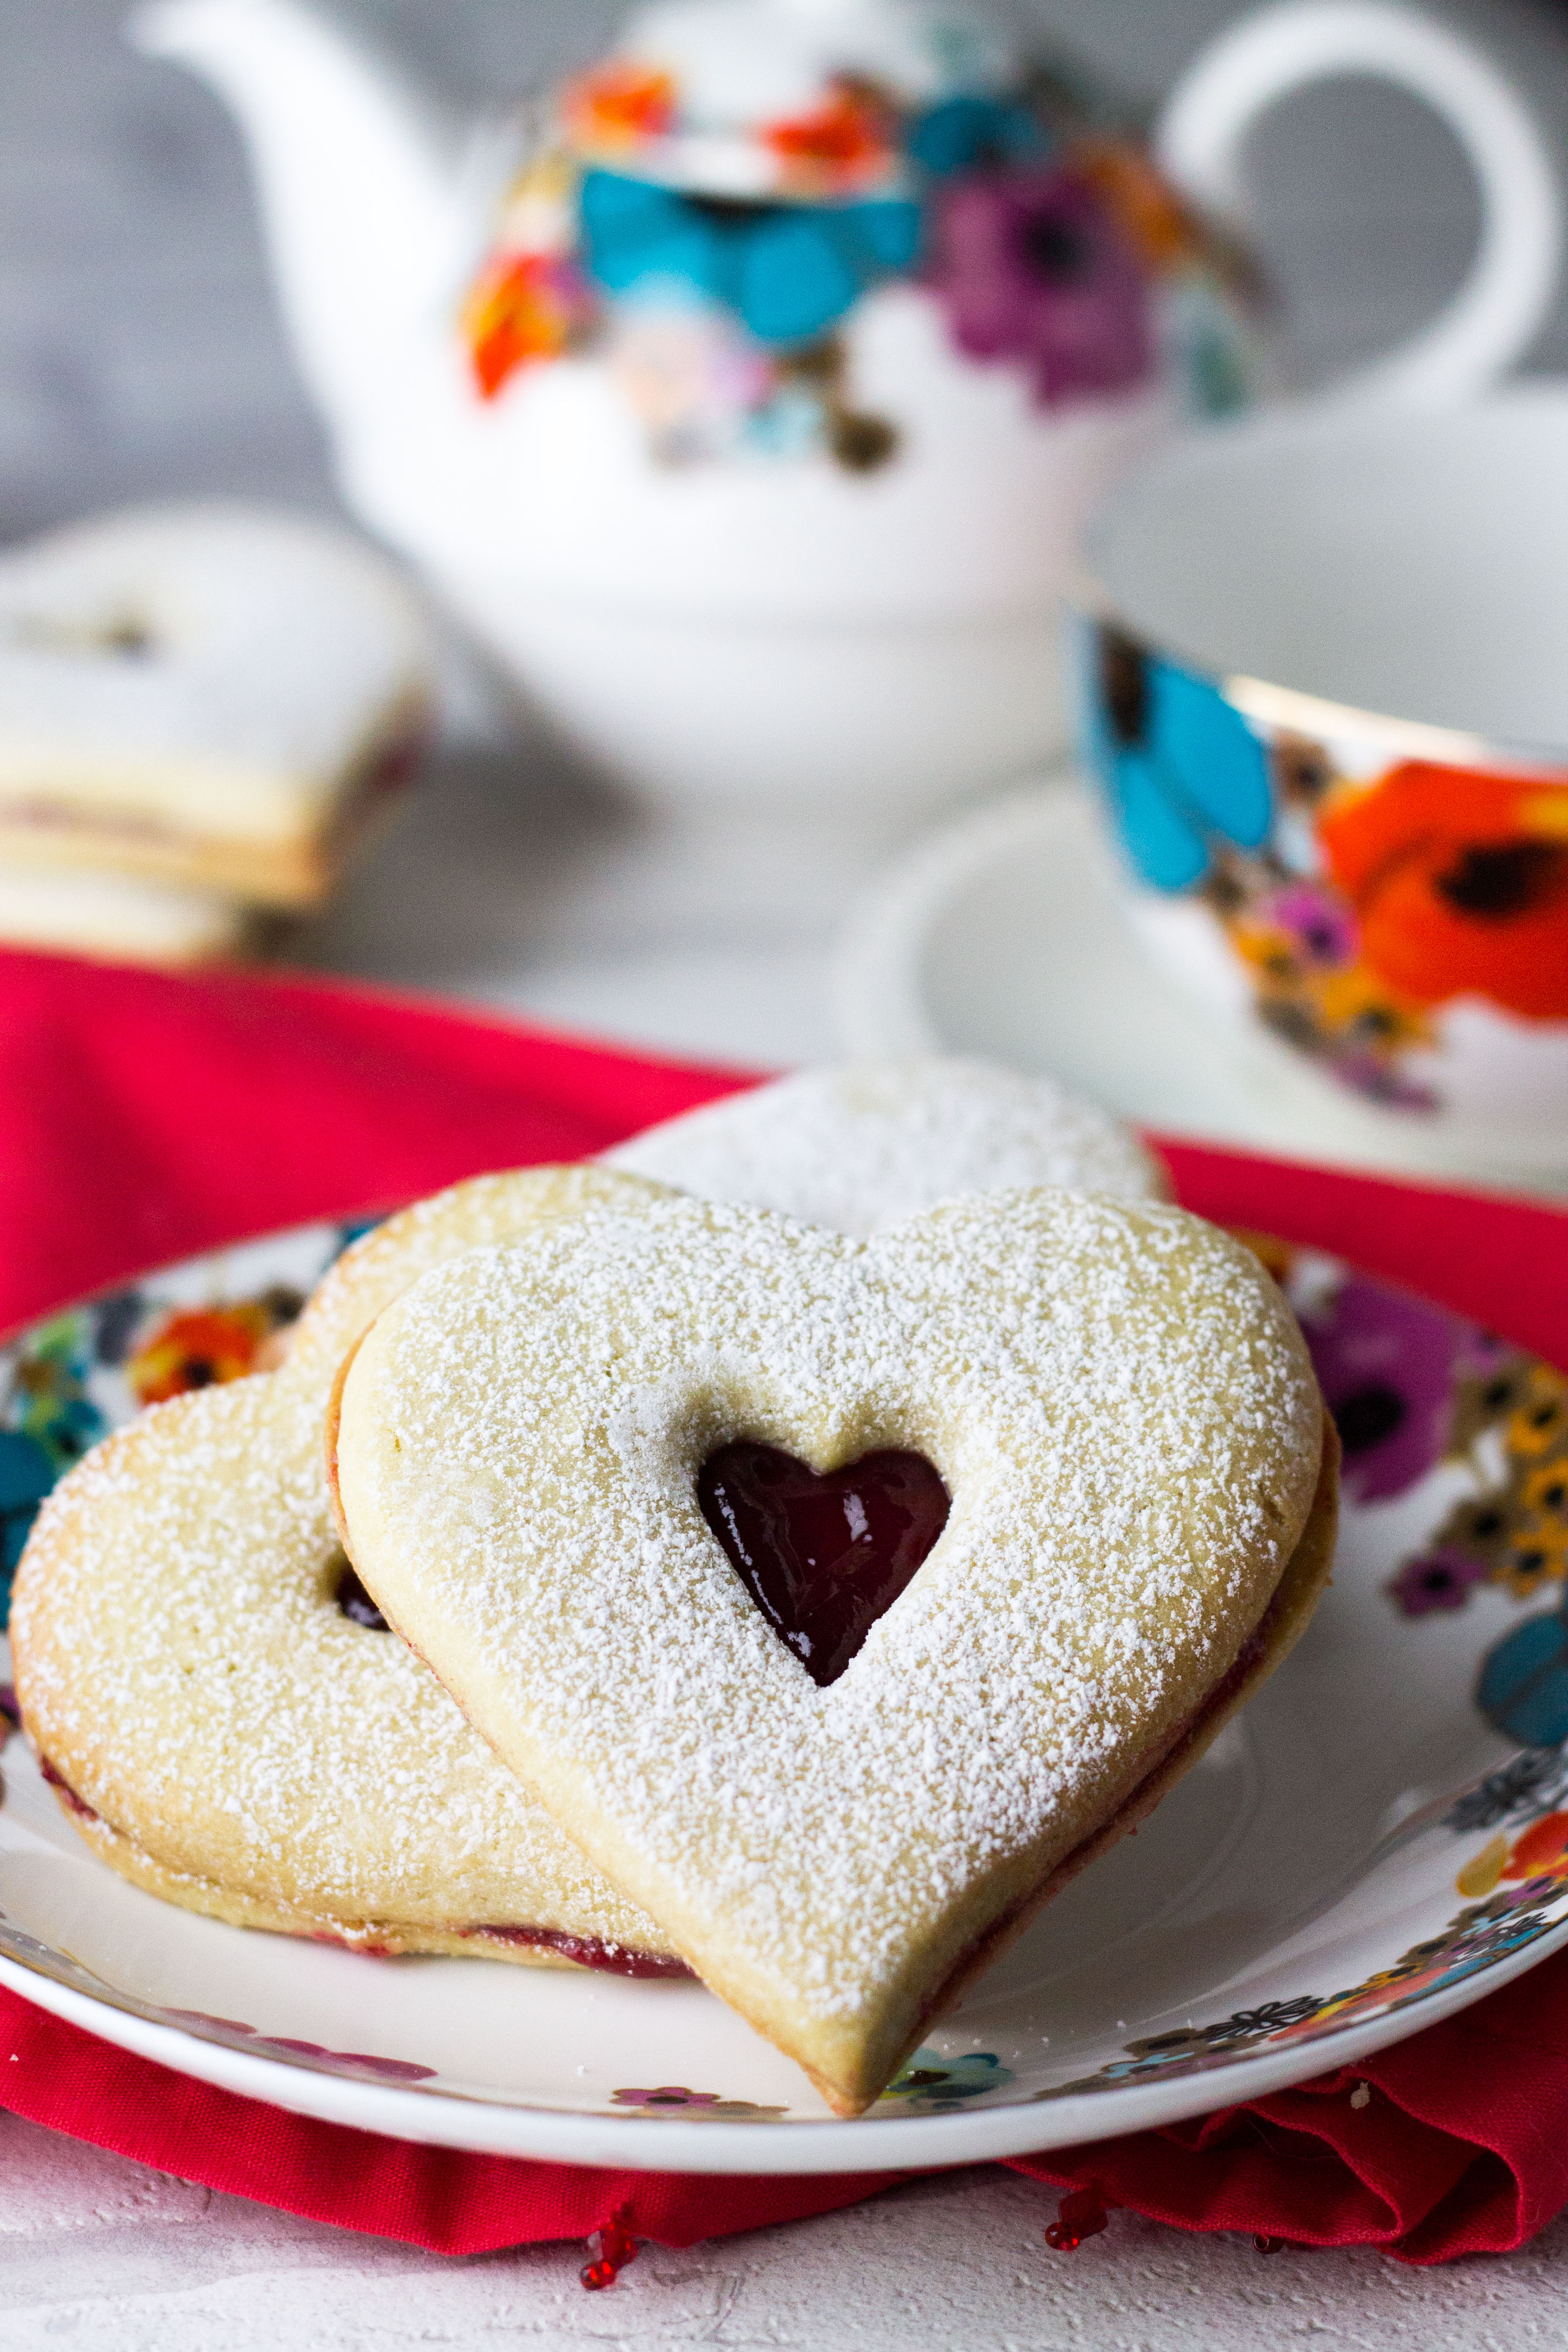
(142, 1118)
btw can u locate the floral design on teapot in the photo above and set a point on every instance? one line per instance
(1361, 897)
(714, 248)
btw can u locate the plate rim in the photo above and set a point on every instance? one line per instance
(642, 2144)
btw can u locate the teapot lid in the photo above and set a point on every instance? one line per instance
(754, 99)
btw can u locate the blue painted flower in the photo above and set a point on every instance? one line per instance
(969, 134)
(1179, 765)
(790, 270)
(937, 2084)
(26, 1475)
(1523, 1686)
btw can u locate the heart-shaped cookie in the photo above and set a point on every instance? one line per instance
(869, 1131)
(860, 1146)
(225, 1731)
(1119, 1405)
(209, 696)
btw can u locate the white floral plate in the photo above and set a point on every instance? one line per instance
(1374, 1845)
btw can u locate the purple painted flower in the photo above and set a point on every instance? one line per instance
(1032, 267)
(1482, 1354)
(668, 2094)
(1381, 1082)
(1440, 1578)
(1322, 926)
(387, 2070)
(1387, 1364)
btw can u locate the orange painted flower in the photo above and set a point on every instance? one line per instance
(524, 308)
(1542, 1851)
(1149, 215)
(620, 105)
(847, 138)
(199, 1349)
(1460, 881)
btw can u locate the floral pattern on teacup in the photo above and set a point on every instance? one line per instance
(1359, 897)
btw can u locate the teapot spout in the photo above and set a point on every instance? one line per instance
(370, 211)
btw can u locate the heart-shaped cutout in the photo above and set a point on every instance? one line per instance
(823, 1557)
(1121, 1406)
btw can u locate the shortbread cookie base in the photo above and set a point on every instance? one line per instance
(1302, 1586)
(119, 919)
(1123, 1411)
(289, 860)
(181, 1660)
(382, 1939)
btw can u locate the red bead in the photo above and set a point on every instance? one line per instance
(1079, 2216)
(1271, 2245)
(611, 2247)
(616, 2245)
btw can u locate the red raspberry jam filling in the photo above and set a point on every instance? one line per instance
(613, 1959)
(823, 1557)
(57, 1780)
(356, 1603)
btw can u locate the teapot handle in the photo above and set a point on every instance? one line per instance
(1490, 320)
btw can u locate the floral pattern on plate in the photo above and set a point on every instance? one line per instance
(1413, 1389)
(672, 2099)
(67, 1382)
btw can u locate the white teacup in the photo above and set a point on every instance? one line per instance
(1324, 671)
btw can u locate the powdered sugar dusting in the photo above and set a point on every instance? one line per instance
(182, 1659)
(1122, 1411)
(383, 1261)
(861, 1146)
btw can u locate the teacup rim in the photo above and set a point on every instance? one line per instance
(1306, 424)
(1299, 711)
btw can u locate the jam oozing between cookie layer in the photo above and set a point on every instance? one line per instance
(823, 1557)
(588, 1951)
(356, 1603)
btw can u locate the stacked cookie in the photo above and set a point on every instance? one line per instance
(791, 1607)
(203, 711)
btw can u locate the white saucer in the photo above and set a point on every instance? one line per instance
(1004, 936)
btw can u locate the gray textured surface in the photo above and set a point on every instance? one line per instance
(104, 2254)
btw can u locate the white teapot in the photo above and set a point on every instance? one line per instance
(747, 399)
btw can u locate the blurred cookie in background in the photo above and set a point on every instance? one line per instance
(120, 920)
(204, 710)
